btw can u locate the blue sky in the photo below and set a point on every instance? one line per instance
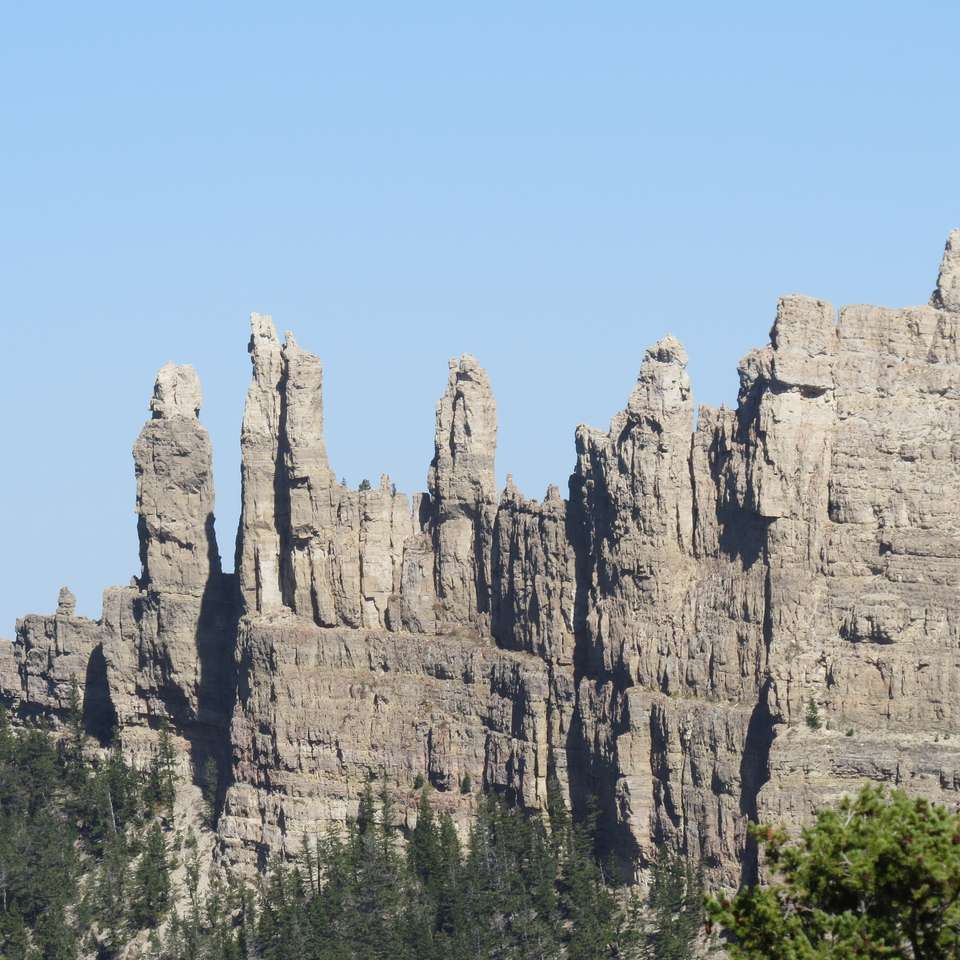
(551, 187)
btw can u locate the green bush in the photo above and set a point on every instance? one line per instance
(876, 877)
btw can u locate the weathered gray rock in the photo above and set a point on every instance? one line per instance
(173, 465)
(534, 576)
(166, 642)
(657, 640)
(258, 540)
(322, 711)
(307, 543)
(49, 655)
(463, 495)
(66, 603)
(947, 294)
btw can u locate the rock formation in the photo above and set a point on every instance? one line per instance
(656, 639)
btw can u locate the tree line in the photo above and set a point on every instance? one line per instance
(92, 865)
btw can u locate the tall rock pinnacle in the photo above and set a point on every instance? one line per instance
(258, 540)
(463, 490)
(462, 472)
(176, 393)
(947, 294)
(173, 463)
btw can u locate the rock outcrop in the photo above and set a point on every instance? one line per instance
(658, 640)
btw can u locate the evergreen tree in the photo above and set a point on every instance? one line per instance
(589, 905)
(676, 902)
(161, 776)
(76, 737)
(211, 789)
(112, 894)
(85, 867)
(151, 881)
(876, 876)
(424, 846)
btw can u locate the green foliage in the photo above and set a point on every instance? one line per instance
(87, 859)
(151, 881)
(516, 891)
(876, 877)
(76, 738)
(211, 789)
(364, 485)
(466, 784)
(38, 859)
(83, 862)
(160, 787)
(418, 781)
(676, 904)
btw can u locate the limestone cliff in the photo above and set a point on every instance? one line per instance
(654, 640)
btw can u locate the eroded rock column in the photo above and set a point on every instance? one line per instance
(463, 495)
(258, 540)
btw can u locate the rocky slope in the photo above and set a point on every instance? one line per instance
(657, 640)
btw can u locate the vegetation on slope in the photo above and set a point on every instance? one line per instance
(91, 866)
(878, 876)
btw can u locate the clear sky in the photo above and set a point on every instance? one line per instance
(549, 186)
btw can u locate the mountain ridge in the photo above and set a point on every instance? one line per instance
(655, 640)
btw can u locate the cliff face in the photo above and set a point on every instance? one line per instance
(655, 640)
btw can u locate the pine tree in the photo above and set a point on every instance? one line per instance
(54, 936)
(151, 881)
(876, 876)
(76, 737)
(424, 849)
(676, 902)
(588, 904)
(211, 788)
(161, 775)
(113, 893)
(366, 813)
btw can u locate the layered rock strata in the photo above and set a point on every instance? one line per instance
(735, 614)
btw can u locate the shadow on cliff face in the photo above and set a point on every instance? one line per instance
(216, 639)
(754, 773)
(99, 716)
(592, 765)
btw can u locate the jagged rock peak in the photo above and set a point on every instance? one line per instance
(302, 410)
(173, 466)
(466, 437)
(803, 344)
(66, 603)
(668, 350)
(663, 386)
(947, 294)
(804, 323)
(261, 328)
(176, 392)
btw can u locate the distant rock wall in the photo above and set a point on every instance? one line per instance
(655, 641)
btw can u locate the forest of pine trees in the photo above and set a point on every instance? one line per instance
(88, 853)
